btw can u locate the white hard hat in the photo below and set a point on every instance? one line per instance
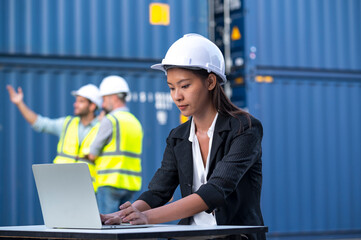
(91, 92)
(194, 51)
(113, 85)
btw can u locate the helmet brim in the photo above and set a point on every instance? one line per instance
(97, 103)
(158, 66)
(161, 67)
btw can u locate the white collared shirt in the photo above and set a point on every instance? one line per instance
(200, 172)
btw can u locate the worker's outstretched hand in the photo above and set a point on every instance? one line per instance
(127, 214)
(15, 97)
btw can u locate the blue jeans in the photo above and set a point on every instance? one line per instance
(109, 198)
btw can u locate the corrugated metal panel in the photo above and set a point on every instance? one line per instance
(310, 111)
(311, 152)
(47, 91)
(52, 47)
(96, 28)
(304, 33)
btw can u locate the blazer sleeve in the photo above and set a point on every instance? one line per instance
(244, 151)
(163, 184)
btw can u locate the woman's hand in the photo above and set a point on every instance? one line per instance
(127, 213)
(111, 218)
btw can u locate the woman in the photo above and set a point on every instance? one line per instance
(215, 157)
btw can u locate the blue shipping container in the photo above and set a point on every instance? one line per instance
(47, 91)
(50, 48)
(304, 34)
(303, 81)
(96, 28)
(302, 78)
(311, 153)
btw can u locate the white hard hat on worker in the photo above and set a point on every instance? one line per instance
(114, 90)
(113, 85)
(90, 92)
(194, 51)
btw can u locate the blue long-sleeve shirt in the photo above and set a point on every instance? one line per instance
(55, 126)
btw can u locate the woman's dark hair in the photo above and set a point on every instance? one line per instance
(220, 100)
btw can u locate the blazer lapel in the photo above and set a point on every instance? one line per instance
(183, 149)
(222, 125)
(183, 152)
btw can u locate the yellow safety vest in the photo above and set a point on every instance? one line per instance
(119, 164)
(84, 149)
(70, 151)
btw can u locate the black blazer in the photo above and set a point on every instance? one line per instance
(234, 180)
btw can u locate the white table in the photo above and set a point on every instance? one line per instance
(155, 232)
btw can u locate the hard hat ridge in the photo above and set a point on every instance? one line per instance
(194, 51)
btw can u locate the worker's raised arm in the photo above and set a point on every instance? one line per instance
(17, 99)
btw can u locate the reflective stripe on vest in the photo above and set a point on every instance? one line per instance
(84, 150)
(67, 141)
(119, 164)
(69, 151)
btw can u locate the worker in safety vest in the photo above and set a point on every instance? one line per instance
(117, 148)
(75, 132)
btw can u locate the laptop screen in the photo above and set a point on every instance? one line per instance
(66, 195)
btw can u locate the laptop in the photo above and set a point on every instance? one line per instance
(67, 197)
